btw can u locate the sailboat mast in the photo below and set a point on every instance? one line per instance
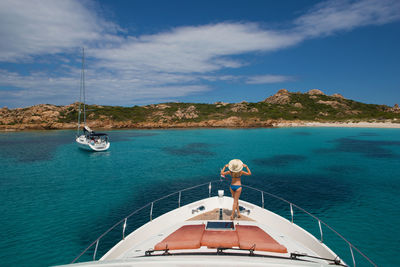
(83, 86)
(80, 94)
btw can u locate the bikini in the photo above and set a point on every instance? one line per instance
(235, 187)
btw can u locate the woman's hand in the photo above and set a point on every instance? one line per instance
(244, 165)
(223, 169)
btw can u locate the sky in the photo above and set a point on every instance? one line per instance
(144, 52)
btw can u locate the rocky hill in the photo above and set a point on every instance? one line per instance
(282, 107)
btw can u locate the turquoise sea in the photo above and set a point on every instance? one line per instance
(56, 199)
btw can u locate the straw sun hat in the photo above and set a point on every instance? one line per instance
(235, 165)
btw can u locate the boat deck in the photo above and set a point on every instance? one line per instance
(199, 213)
(184, 233)
(215, 214)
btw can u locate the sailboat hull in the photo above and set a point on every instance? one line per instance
(86, 144)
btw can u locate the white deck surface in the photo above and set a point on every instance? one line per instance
(131, 251)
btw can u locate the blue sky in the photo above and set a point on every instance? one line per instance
(143, 52)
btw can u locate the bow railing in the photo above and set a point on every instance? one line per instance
(262, 193)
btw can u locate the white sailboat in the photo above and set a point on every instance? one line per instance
(88, 139)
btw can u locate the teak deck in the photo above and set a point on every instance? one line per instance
(214, 215)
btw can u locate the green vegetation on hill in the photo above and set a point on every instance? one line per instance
(115, 113)
(283, 105)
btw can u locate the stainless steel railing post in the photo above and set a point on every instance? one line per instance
(95, 250)
(352, 255)
(320, 230)
(123, 229)
(151, 211)
(209, 189)
(262, 198)
(179, 200)
(291, 211)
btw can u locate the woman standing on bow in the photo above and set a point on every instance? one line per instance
(235, 167)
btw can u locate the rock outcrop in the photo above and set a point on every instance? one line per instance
(189, 113)
(315, 92)
(338, 96)
(298, 105)
(395, 108)
(220, 104)
(334, 104)
(281, 97)
(162, 106)
(243, 107)
(43, 114)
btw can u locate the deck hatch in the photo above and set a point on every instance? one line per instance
(221, 225)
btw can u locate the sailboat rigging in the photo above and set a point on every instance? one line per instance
(88, 139)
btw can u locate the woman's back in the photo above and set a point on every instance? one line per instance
(236, 178)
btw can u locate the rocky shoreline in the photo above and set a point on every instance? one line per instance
(228, 123)
(231, 122)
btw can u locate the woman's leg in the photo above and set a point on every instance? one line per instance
(233, 207)
(236, 199)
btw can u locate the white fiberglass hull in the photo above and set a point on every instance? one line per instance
(86, 144)
(131, 250)
(295, 238)
(202, 234)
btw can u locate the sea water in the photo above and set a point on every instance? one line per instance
(56, 199)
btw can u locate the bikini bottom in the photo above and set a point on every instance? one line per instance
(235, 187)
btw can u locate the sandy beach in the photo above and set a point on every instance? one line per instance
(340, 124)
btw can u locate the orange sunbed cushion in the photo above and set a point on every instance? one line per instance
(220, 239)
(186, 237)
(252, 237)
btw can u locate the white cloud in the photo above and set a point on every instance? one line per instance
(338, 15)
(192, 49)
(263, 79)
(40, 27)
(101, 88)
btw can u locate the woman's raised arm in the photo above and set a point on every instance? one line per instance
(248, 170)
(223, 172)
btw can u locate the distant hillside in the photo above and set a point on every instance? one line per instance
(283, 106)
